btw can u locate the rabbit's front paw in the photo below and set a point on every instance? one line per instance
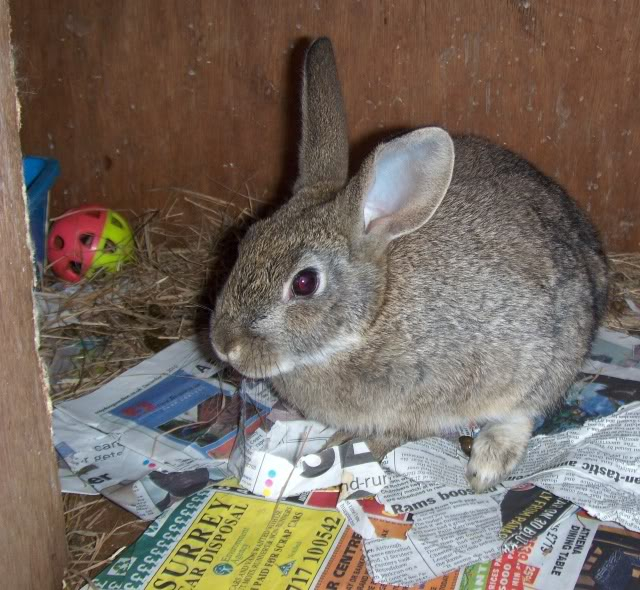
(496, 451)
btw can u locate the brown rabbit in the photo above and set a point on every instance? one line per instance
(449, 281)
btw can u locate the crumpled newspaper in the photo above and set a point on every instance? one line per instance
(291, 458)
(595, 466)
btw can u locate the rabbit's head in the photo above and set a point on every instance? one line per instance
(310, 279)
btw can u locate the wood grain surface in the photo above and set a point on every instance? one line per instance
(139, 95)
(32, 543)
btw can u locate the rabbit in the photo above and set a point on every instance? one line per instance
(447, 282)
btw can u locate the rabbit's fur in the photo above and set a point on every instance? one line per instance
(458, 284)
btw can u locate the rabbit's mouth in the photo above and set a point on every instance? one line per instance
(264, 372)
(254, 365)
(262, 369)
(268, 366)
(262, 358)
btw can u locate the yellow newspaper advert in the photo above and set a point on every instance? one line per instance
(229, 539)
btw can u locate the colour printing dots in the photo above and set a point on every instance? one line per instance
(150, 464)
(266, 492)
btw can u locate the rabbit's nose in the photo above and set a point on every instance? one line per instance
(221, 340)
(230, 355)
(221, 355)
(224, 344)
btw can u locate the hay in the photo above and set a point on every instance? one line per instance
(157, 300)
(625, 293)
(97, 531)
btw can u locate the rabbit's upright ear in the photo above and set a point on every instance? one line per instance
(405, 183)
(324, 150)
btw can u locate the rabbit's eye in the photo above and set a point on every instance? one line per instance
(305, 283)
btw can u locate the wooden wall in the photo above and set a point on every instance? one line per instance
(32, 543)
(139, 95)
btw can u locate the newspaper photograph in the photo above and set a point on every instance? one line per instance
(153, 435)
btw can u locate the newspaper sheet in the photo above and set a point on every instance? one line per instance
(169, 428)
(580, 552)
(290, 459)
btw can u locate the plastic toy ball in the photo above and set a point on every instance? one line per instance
(87, 239)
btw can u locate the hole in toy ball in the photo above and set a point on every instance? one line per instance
(58, 243)
(86, 239)
(110, 246)
(76, 267)
(116, 222)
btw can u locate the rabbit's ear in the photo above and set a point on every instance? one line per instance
(324, 150)
(406, 182)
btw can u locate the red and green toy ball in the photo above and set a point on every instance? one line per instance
(87, 239)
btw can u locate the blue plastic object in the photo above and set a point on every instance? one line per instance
(39, 176)
(32, 168)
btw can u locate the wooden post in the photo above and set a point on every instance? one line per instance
(32, 542)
